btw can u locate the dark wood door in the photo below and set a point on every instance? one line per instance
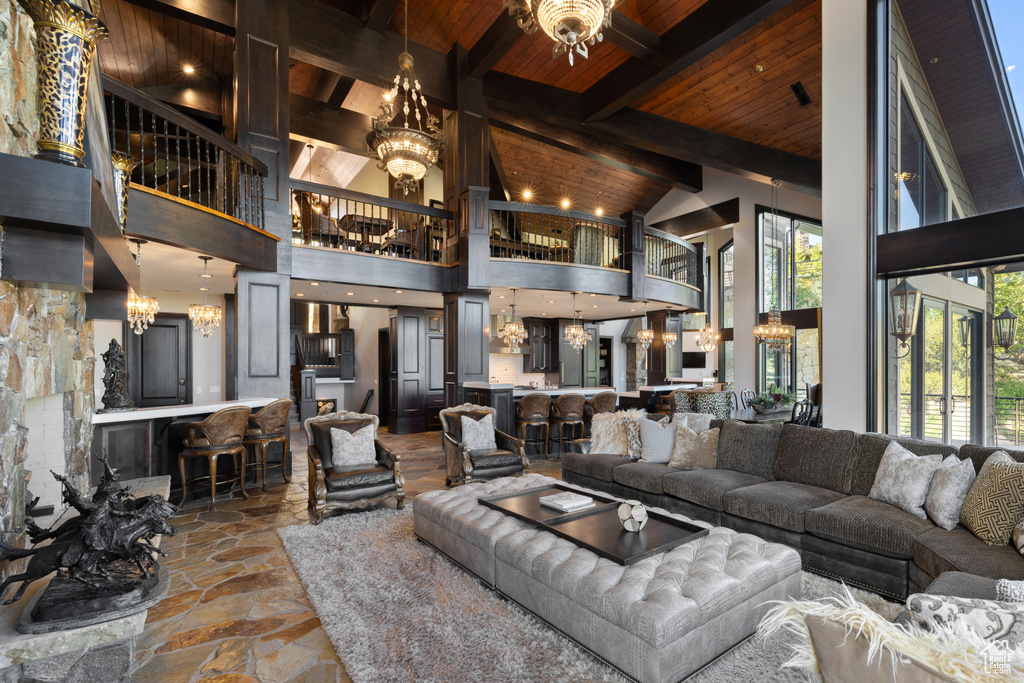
(540, 358)
(592, 359)
(159, 363)
(570, 360)
(347, 354)
(383, 375)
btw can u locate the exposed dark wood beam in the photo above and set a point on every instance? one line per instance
(653, 133)
(342, 44)
(492, 46)
(638, 41)
(325, 85)
(216, 15)
(702, 220)
(316, 122)
(378, 14)
(704, 30)
(295, 151)
(500, 189)
(342, 87)
(653, 165)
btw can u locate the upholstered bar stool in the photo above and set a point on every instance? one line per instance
(567, 411)
(534, 410)
(220, 434)
(268, 426)
(603, 402)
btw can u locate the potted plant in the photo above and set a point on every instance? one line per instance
(773, 400)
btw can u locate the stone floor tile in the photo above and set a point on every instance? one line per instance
(173, 605)
(230, 655)
(284, 664)
(173, 667)
(218, 611)
(243, 552)
(187, 638)
(230, 678)
(248, 583)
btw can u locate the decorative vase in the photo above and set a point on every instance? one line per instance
(66, 38)
(123, 164)
(633, 515)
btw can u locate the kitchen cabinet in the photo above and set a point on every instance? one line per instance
(543, 356)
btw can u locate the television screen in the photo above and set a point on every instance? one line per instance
(694, 359)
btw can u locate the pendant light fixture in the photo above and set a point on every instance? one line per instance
(205, 318)
(575, 335)
(142, 310)
(775, 336)
(513, 333)
(645, 335)
(572, 24)
(405, 152)
(669, 338)
(705, 337)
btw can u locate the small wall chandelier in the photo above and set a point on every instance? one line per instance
(142, 310)
(670, 338)
(404, 152)
(205, 318)
(644, 335)
(575, 335)
(572, 24)
(513, 333)
(705, 337)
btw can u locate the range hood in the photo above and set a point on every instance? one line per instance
(497, 345)
(634, 326)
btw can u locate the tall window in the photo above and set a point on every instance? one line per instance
(725, 313)
(921, 194)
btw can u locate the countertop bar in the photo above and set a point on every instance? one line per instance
(175, 411)
(588, 391)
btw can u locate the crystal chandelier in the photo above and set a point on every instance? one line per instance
(572, 24)
(575, 335)
(705, 337)
(513, 333)
(775, 335)
(142, 310)
(645, 335)
(205, 318)
(406, 153)
(670, 339)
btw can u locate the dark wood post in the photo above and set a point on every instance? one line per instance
(633, 254)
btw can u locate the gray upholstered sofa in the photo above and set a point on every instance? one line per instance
(808, 488)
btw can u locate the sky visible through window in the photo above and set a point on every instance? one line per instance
(1008, 20)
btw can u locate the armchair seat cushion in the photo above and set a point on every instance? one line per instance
(358, 477)
(958, 550)
(867, 524)
(493, 457)
(778, 503)
(706, 487)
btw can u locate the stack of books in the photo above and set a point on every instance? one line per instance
(567, 501)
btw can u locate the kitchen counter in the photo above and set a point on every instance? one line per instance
(184, 409)
(588, 391)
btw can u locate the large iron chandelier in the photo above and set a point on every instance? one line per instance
(405, 152)
(513, 333)
(142, 310)
(775, 336)
(644, 335)
(572, 24)
(575, 335)
(205, 318)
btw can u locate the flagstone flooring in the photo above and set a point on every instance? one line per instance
(236, 611)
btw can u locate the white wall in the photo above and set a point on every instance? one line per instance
(720, 186)
(366, 322)
(371, 180)
(614, 329)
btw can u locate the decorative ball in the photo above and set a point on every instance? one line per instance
(633, 515)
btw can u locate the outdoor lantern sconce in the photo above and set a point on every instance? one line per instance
(905, 302)
(1004, 327)
(966, 323)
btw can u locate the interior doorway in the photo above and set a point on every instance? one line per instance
(160, 362)
(606, 376)
(383, 374)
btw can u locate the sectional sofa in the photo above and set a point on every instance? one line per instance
(808, 488)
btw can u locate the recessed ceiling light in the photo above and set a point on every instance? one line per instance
(551, 302)
(594, 306)
(315, 284)
(189, 69)
(632, 310)
(399, 291)
(599, 211)
(543, 313)
(300, 294)
(503, 310)
(501, 296)
(565, 203)
(350, 293)
(527, 194)
(376, 301)
(593, 295)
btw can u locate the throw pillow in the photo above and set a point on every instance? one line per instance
(949, 487)
(1018, 537)
(657, 441)
(998, 456)
(478, 435)
(903, 478)
(698, 422)
(1009, 591)
(694, 450)
(608, 434)
(356, 448)
(634, 446)
(995, 504)
(989, 619)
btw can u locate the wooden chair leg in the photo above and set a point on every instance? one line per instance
(264, 448)
(241, 474)
(212, 460)
(287, 454)
(184, 481)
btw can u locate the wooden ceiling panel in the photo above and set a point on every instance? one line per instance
(658, 15)
(302, 78)
(725, 93)
(552, 174)
(440, 24)
(530, 58)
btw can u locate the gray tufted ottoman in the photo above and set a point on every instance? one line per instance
(660, 619)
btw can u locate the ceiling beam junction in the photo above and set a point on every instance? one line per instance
(702, 220)
(216, 15)
(379, 13)
(492, 45)
(635, 39)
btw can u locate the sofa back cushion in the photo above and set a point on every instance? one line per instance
(748, 448)
(979, 454)
(871, 447)
(816, 457)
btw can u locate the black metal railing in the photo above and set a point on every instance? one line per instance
(331, 217)
(672, 258)
(548, 233)
(1009, 420)
(181, 157)
(317, 350)
(935, 407)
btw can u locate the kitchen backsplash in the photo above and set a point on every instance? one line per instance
(508, 369)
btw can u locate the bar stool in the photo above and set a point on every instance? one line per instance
(268, 426)
(219, 434)
(534, 410)
(603, 402)
(567, 410)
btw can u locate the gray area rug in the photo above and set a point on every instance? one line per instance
(395, 609)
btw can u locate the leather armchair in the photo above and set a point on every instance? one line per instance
(354, 486)
(463, 465)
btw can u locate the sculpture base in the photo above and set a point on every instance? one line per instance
(66, 603)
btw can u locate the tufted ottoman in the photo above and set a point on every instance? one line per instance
(660, 619)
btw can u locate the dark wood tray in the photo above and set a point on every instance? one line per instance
(598, 528)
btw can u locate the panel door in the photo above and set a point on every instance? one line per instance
(158, 363)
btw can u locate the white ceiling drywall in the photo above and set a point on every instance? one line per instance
(171, 269)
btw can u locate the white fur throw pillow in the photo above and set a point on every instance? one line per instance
(608, 434)
(478, 435)
(694, 450)
(348, 449)
(950, 484)
(657, 439)
(903, 479)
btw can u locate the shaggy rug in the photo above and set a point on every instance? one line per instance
(395, 609)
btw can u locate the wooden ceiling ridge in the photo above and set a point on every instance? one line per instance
(216, 15)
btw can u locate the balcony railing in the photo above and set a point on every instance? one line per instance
(959, 416)
(331, 217)
(547, 233)
(672, 258)
(181, 157)
(1009, 420)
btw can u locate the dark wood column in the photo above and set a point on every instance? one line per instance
(261, 310)
(633, 254)
(466, 329)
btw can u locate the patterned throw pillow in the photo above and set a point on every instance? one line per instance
(995, 504)
(352, 449)
(634, 446)
(657, 440)
(608, 434)
(694, 450)
(903, 478)
(698, 422)
(1009, 591)
(998, 456)
(949, 487)
(478, 435)
(1018, 537)
(989, 619)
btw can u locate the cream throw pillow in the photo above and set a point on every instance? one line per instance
(903, 479)
(478, 435)
(348, 449)
(694, 450)
(950, 484)
(698, 422)
(658, 440)
(608, 434)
